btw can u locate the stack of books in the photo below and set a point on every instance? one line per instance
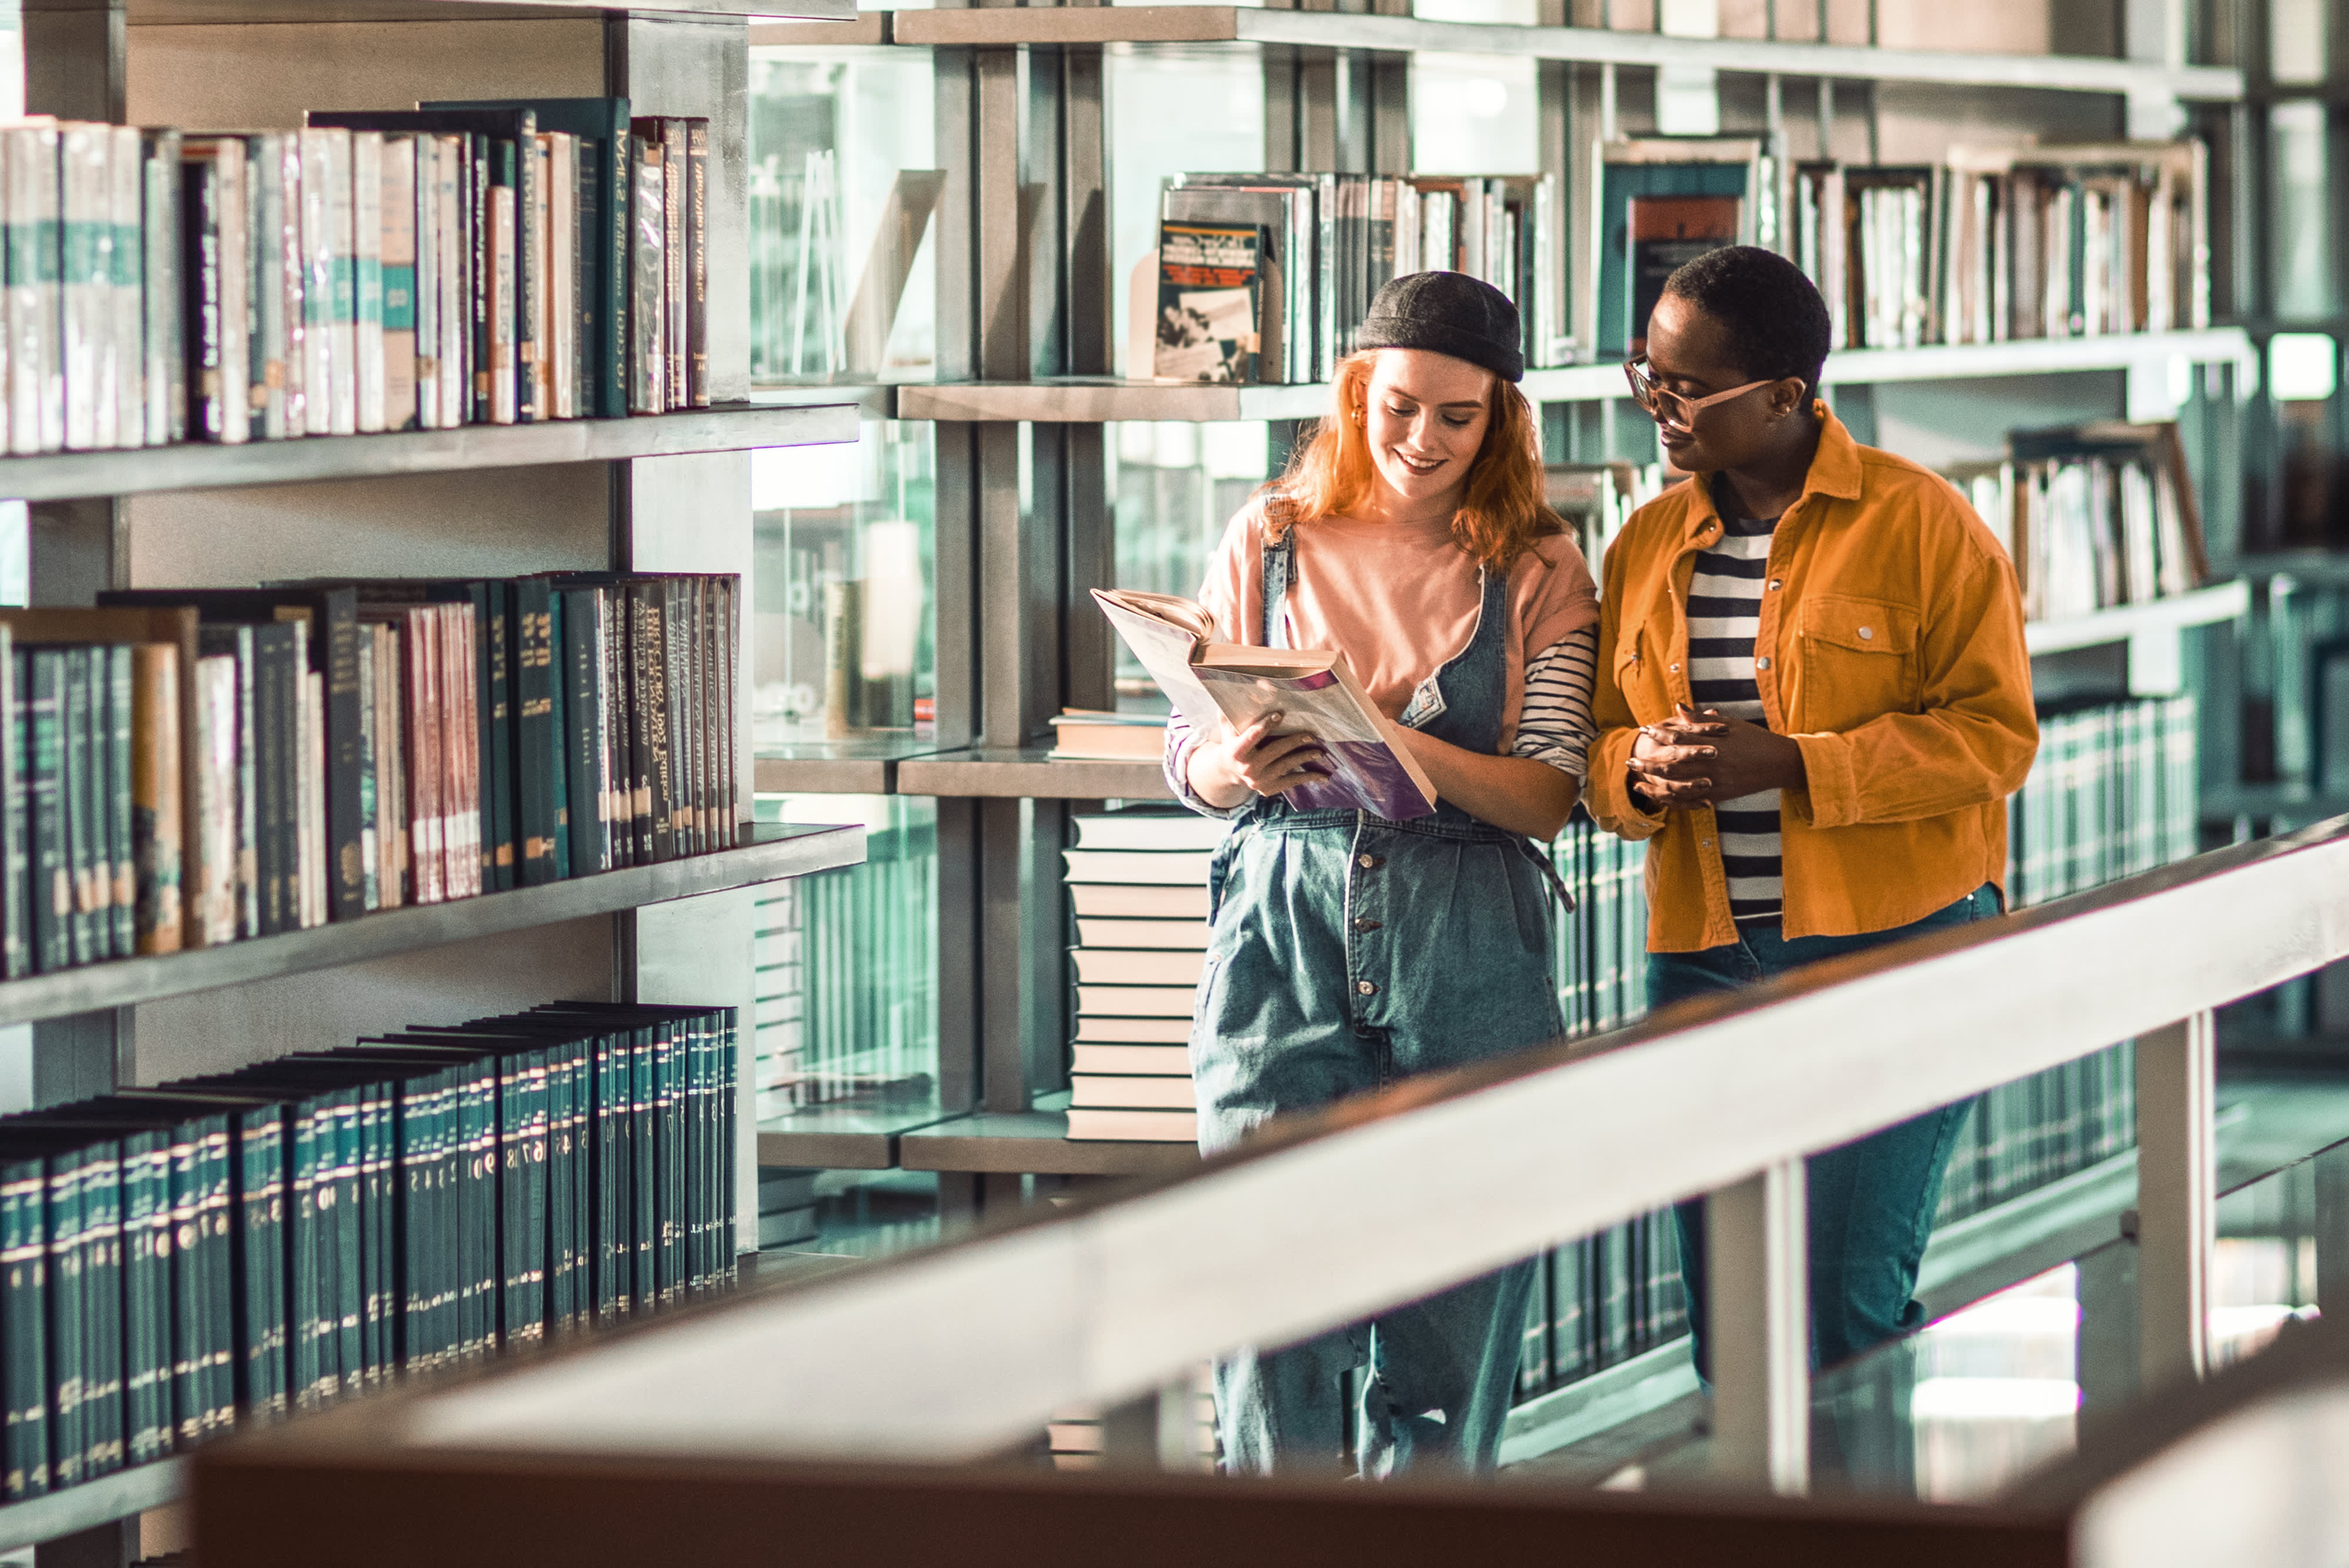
(185, 1258)
(1267, 277)
(1074, 1435)
(2093, 515)
(1138, 881)
(457, 264)
(1090, 734)
(187, 767)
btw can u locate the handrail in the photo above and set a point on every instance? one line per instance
(959, 1351)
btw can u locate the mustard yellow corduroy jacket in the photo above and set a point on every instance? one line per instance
(1890, 650)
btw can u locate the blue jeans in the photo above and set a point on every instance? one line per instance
(1871, 1201)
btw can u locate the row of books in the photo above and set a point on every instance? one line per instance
(187, 768)
(234, 1247)
(2113, 791)
(1601, 1300)
(1991, 246)
(1137, 885)
(2093, 515)
(1985, 246)
(1073, 1435)
(489, 262)
(847, 971)
(1267, 277)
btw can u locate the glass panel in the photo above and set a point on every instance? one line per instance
(847, 964)
(841, 586)
(2303, 223)
(1176, 487)
(838, 138)
(1171, 111)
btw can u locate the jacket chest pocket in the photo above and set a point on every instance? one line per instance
(1859, 662)
(1639, 674)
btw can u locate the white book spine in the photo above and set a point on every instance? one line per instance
(235, 293)
(319, 260)
(504, 239)
(126, 181)
(424, 289)
(342, 322)
(87, 245)
(264, 225)
(396, 340)
(562, 273)
(366, 276)
(211, 881)
(21, 308)
(456, 286)
(293, 283)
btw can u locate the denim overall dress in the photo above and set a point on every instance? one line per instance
(1347, 951)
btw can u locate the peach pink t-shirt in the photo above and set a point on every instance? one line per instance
(1399, 599)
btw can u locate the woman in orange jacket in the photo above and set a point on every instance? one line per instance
(1813, 699)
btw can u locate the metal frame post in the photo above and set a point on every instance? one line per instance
(2178, 1196)
(1759, 1327)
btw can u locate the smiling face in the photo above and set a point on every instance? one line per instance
(1424, 416)
(1690, 353)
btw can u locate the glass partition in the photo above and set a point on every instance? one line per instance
(843, 624)
(842, 153)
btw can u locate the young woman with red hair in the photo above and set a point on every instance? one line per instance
(1347, 949)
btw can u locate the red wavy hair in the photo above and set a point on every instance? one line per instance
(1500, 517)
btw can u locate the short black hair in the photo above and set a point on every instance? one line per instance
(1778, 325)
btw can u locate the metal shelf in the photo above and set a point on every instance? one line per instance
(767, 854)
(124, 1494)
(1035, 1143)
(1027, 774)
(202, 465)
(2283, 806)
(2316, 568)
(1093, 400)
(2220, 601)
(864, 764)
(1407, 35)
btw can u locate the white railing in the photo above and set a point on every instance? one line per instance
(964, 1350)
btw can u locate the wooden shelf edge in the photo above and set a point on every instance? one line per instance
(124, 1494)
(202, 465)
(1034, 1143)
(1028, 775)
(774, 854)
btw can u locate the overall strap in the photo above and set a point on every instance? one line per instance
(1279, 560)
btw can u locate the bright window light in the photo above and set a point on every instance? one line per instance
(2302, 366)
(1995, 1399)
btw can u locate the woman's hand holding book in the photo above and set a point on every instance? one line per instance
(1262, 759)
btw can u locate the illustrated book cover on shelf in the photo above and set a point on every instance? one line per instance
(1210, 277)
(1218, 684)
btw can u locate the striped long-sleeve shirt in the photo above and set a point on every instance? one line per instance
(1724, 609)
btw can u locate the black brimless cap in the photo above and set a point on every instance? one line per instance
(1448, 313)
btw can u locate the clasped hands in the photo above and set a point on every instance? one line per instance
(1702, 759)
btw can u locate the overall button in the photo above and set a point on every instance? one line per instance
(1370, 862)
(1364, 923)
(1366, 988)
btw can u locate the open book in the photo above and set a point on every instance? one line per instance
(1227, 686)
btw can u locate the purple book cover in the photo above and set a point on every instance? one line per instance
(1365, 773)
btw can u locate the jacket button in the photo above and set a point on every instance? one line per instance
(1367, 862)
(1776, 583)
(1366, 988)
(1763, 663)
(1366, 924)
(1674, 667)
(1865, 632)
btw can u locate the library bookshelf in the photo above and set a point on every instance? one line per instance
(666, 493)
